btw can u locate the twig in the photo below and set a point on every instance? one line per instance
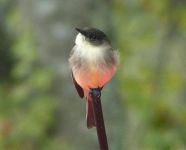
(95, 95)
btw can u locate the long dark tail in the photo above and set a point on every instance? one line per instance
(90, 113)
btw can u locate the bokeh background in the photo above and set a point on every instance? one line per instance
(144, 105)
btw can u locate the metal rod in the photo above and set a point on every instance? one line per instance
(95, 95)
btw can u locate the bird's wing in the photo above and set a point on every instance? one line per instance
(78, 87)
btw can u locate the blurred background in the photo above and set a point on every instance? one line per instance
(145, 103)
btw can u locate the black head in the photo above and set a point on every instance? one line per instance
(94, 36)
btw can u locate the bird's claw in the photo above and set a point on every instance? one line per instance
(95, 92)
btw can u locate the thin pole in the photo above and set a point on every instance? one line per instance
(95, 94)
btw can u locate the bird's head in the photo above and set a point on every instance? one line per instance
(91, 36)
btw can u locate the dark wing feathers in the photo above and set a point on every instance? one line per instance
(78, 87)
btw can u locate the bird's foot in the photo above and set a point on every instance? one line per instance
(95, 92)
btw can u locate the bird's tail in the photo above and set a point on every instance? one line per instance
(90, 113)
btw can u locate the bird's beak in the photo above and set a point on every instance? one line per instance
(81, 31)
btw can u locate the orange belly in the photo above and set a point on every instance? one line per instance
(94, 78)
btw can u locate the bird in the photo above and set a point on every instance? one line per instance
(93, 62)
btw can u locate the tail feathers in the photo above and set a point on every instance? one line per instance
(90, 114)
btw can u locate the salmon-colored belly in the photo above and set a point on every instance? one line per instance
(94, 78)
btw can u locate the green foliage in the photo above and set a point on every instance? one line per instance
(151, 77)
(27, 108)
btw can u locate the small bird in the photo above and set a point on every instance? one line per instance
(93, 62)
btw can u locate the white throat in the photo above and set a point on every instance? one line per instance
(87, 49)
(81, 41)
